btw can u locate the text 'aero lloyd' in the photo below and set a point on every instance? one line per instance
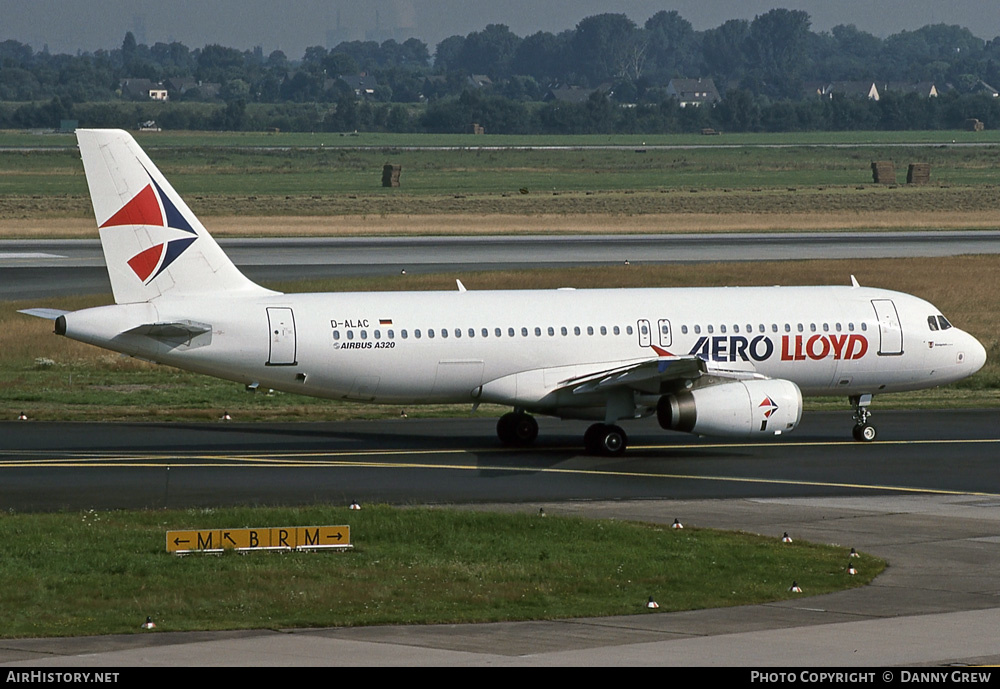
(732, 362)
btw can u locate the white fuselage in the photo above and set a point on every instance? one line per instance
(515, 347)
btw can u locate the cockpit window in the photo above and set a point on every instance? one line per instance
(943, 322)
(932, 322)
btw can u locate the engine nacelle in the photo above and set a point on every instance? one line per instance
(739, 409)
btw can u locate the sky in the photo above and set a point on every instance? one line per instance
(69, 26)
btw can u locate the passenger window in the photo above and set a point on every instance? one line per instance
(604, 330)
(551, 331)
(697, 330)
(617, 330)
(711, 329)
(416, 333)
(497, 332)
(430, 333)
(350, 334)
(392, 335)
(403, 334)
(563, 330)
(336, 334)
(510, 332)
(590, 330)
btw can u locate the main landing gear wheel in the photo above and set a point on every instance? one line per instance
(605, 439)
(517, 429)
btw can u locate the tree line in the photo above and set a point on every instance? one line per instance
(762, 68)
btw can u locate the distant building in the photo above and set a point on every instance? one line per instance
(925, 89)
(568, 94)
(203, 90)
(143, 89)
(693, 92)
(863, 89)
(363, 84)
(982, 87)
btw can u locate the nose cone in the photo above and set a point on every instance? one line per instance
(975, 355)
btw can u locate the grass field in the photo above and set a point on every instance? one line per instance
(105, 572)
(261, 175)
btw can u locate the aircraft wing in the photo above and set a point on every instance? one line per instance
(646, 376)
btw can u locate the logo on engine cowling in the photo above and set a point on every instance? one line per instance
(769, 408)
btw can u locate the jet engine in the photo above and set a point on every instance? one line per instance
(740, 409)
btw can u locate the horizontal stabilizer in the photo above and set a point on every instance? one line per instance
(178, 333)
(48, 314)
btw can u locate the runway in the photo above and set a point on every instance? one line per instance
(35, 269)
(49, 466)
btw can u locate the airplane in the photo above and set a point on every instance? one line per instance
(730, 362)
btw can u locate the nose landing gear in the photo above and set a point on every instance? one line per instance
(863, 430)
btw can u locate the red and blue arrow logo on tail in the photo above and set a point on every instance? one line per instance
(152, 207)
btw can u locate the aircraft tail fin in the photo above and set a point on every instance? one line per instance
(153, 244)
